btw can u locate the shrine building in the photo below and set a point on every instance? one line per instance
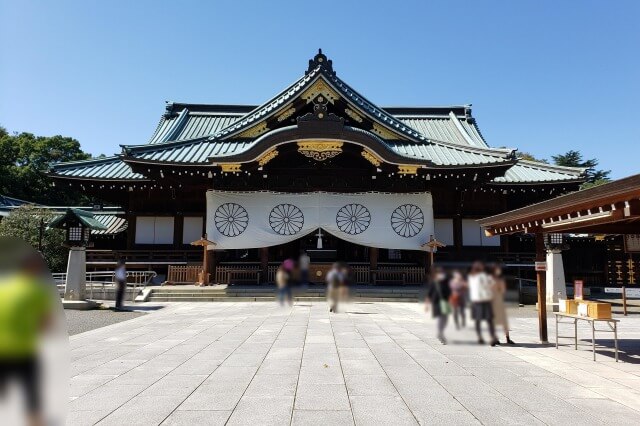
(322, 169)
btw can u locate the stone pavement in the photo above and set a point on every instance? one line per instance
(376, 363)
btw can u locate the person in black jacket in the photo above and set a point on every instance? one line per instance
(438, 293)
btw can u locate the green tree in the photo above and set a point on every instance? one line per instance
(530, 157)
(25, 223)
(24, 160)
(574, 158)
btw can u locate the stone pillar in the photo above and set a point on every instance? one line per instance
(555, 277)
(75, 288)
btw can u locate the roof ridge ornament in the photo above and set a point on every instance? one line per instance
(320, 60)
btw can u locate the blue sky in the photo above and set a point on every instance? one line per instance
(543, 76)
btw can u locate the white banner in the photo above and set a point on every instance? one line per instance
(262, 219)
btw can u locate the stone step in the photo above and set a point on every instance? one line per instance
(272, 299)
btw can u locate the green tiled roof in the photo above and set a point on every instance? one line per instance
(109, 168)
(201, 134)
(532, 171)
(83, 216)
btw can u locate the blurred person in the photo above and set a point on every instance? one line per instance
(120, 276)
(481, 294)
(303, 264)
(438, 293)
(26, 310)
(283, 278)
(334, 280)
(458, 299)
(345, 281)
(497, 302)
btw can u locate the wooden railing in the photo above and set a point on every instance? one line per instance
(361, 274)
(183, 274)
(144, 256)
(237, 274)
(398, 275)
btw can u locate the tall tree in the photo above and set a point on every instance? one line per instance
(24, 158)
(574, 158)
(26, 222)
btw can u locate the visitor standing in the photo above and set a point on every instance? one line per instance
(120, 276)
(438, 294)
(303, 265)
(26, 310)
(334, 282)
(458, 298)
(481, 295)
(282, 282)
(497, 302)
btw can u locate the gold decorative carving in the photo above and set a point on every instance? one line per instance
(384, 133)
(254, 132)
(230, 167)
(285, 114)
(320, 150)
(320, 87)
(354, 115)
(267, 157)
(406, 169)
(371, 157)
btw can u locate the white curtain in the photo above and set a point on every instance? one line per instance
(262, 219)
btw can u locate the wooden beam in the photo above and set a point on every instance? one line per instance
(542, 289)
(264, 263)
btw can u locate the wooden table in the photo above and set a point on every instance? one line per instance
(612, 323)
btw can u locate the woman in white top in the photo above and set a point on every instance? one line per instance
(481, 294)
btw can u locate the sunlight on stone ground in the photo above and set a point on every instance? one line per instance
(372, 363)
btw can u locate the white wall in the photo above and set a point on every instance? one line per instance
(473, 235)
(443, 231)
(192, 229)
(154, 230)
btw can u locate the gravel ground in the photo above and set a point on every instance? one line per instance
(81, 321)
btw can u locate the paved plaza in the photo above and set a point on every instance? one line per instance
(374, 363)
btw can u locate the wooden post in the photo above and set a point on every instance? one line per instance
(205, 266)
(624, 301)
(211, 265)
(264, 264)
(373, 263)
(542, 289)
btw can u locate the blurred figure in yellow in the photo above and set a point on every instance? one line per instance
(26, 308)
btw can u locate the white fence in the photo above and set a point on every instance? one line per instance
(99, 282)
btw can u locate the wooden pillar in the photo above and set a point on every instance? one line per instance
(211, 266)
(178, 229)
(457, 233)
(264, 264)
(457, 222)
(205, 266)
(373, 263)
(542, 289)
(428, 264)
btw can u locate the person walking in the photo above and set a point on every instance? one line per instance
(458, 298)
(497, 303)
(438, 294)
(120, 276)
(334, 281)
(303, 265)
(282, 282)
(481, 295)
